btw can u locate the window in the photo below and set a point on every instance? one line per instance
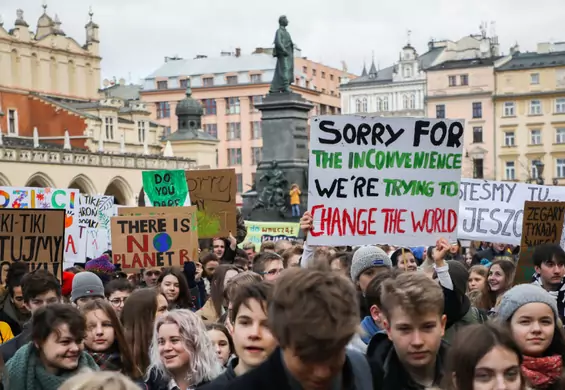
(452, 81)
(304, 69)
(109, 128)
(231, 80)
(379, 104)
(167, 131)
(313, 72)
(162, 84)
(184, 83)
(232, 105)
(477, 110)
(560, 166)
(255, 78)
(385, 103)
(323, 90)
(256, 130)
(534, 78)
(560, 106)
(239, 179)
(508, 138)
(141, 131)
(207, 81)
(535, 137)
(412, 102)
(234, 131)
(535, 107)
(560, 135)
(535, 173)
(331, 77)
(209, 106)
(163, 110)
(478, 168)
(12, 122)
(407, 72)
(464, 80)
(234, 156)
(477, 134)
(440, 110)
(510, 171)
(509, 109)
(365, 105)
(405, 102)
(323, 75)
(358, 105)
(212, 129)
(256, 155)
(257, 99)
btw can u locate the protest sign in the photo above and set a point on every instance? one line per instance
(493, 210)
(542, 224)
(258, 232)
(165, 188)
(384, 180)
(49, 198)
(145, 241)
(95, 211)
(34, 236)
(213, 192)
(138, 211)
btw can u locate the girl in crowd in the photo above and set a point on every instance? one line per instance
(222, 341)
(138, 316)
(483, 357)
(216, 304)
(404, 259)
(182, 353)
(531, 314)
(174, 287)
(90, 380)
(54, 354)
(105, 340)
(499, 280)
(477, 278)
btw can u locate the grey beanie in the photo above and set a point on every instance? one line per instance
(86, 284)
(368, 257)
(521, 295)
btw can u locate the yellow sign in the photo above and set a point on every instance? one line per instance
(257, 232)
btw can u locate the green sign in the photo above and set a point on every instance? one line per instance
(166, 188)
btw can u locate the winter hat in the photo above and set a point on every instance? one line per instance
(67, 286)
(521, 295)
(86, 284)
(394, 256)
(368, 257)
(101, 264)
(459, 276)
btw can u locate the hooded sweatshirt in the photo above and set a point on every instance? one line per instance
(369, 329)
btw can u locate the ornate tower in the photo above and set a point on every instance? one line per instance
(92, 35)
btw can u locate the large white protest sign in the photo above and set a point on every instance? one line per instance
(384, 180)
(493, 210)
(95, 211)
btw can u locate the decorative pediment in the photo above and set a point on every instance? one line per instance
(60, 42)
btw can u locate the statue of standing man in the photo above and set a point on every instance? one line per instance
(284, 52)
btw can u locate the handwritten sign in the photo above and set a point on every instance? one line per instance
(145, 241)
(165, 188)
(493, 210)
(384, 180)
(213, 192)
(49, 198)
(258, 232)
(95, 211)
(34, 236)
(542, 224)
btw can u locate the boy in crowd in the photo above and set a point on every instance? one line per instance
(86, 287)
(249, 248)
(150, 276)
(39, 288)
(13, 311)
(252, 339)
(410, 355)
(368, 262)
(269, 265)
(549, 264)
(116, 292)
(312, 318)
(267, 246)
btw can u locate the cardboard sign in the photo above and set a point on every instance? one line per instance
(213, 192)
(153, 211)
(165, 188)
(384, 180)
(258, 232)
(542, 224)
(146, 241)
(34, 236)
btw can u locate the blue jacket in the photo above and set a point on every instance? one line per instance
(369, 328)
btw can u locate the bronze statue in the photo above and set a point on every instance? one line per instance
(273, 195)
(284, 52)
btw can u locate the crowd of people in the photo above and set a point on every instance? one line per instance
(291, 316)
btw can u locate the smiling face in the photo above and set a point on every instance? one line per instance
(533, 327)
(60, 351)
(170, 288)
(219, 247)
(496, 279)
(407, 262)
(221, 345)
(172, 350)
(99, 331)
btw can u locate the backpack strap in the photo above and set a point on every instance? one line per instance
(361, 370)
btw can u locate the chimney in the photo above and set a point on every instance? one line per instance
(237, 51)
(431, 44)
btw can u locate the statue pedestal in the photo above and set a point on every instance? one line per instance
(285, 141)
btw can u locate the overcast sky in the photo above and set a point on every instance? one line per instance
(136, 35)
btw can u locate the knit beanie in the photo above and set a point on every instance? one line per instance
(86, 284)
(521, 295)
(101, 266)
(67, 286)
(368, 257)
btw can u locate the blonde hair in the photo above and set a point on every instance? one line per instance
(99, 380)
(204, 363)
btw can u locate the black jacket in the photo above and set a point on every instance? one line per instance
(272, 375)
(225, 378)
(388, 373)
(157, 382)
(9, 348)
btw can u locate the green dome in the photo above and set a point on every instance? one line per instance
(189, 106)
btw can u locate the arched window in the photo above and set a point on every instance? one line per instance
(405, 102)
(53, 73)
(379, 104)
(407, 71)
(412, 101)
(365, 108)
(358, 105)
(72, 77)
(35, 72)
(15, 67)
(90, 87)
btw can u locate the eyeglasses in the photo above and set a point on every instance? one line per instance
(153, 273)
(273, 272)
(118, 301)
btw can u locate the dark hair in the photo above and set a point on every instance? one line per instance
(314, 312)
(241, 263)
(39, 282)
(259, 291)
(345, 259)
(217, 286)
(120, 344)
(241, 279)
(373, 291)
(470, 345)
(241, 253)
(118, 285)
(548, 252)
(205, 259)
(47, 318)
(293, 251)
(224, 330)
(14, 276)
(184, 300)
(260, 261)
(488, 298)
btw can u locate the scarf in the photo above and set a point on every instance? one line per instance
(24, 371)
(543, 371)
(107, 361)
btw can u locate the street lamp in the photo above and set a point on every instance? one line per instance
(539, 167)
